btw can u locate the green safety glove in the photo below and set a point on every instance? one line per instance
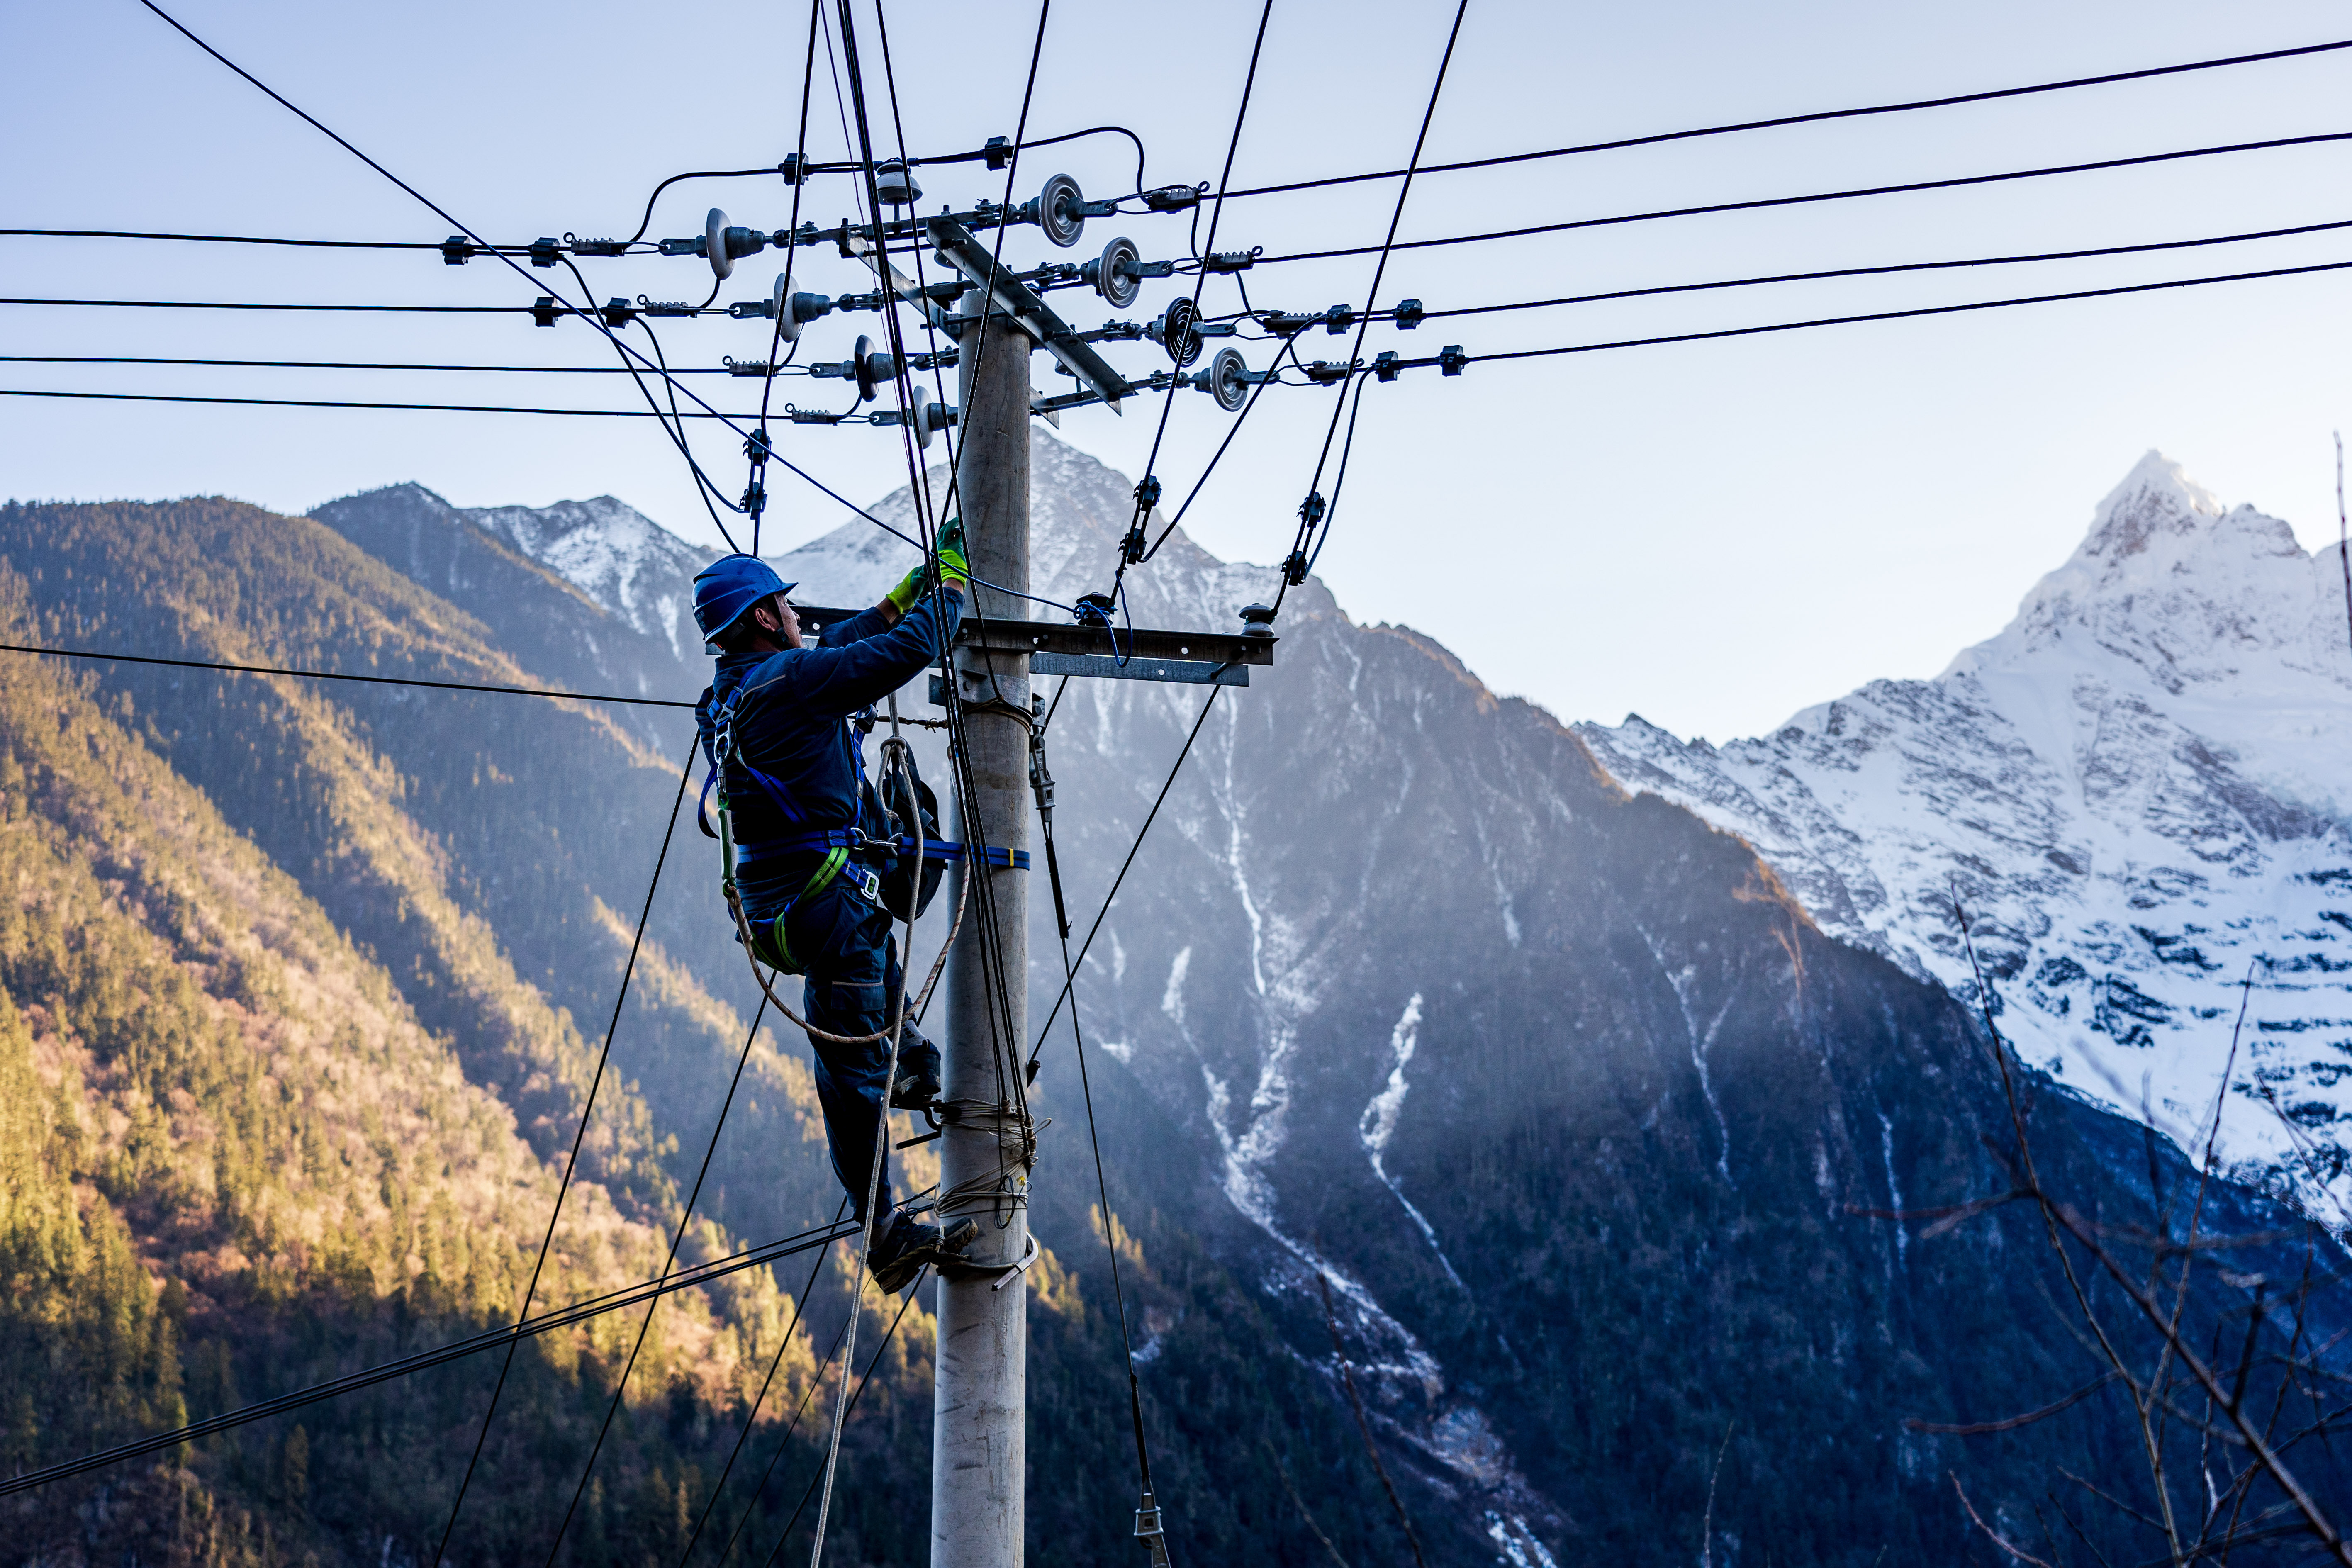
(953, 566)
(950, 560)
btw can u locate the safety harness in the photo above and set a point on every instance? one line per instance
(837, 844)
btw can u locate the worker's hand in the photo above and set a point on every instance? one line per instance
(910, 588)
(954, 568)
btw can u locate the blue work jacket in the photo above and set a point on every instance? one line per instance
(791, 709)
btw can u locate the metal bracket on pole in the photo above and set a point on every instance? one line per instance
(1026, 310)
(899, 283)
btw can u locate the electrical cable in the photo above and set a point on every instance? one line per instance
(233, 239)
(751, 1416)
(1889, 268)
(1094, 1139)
(1290, 349)
(571, 1162)
(678, 1238)
(759, 448)
(1311, 510)
(267, 305)
(1881, 315)
(1761, 203)
(350, 403)
(588, 315)
(565, 1317)
(355, 364)
(337, 674)
(889, 1334)
(777, 1453)
(1813, 118)
(1149, 484)
(1150, 817)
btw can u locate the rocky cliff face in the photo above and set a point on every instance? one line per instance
(2140, 792)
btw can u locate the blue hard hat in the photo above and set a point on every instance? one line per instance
(731, 586)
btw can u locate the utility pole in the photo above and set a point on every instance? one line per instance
(979, 1402)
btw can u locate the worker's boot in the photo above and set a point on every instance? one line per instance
(918, 1087)
(910, 1242)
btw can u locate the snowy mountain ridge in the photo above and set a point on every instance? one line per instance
(2140, 792)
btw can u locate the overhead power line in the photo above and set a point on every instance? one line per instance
(1760, 203)
(1815, 117)
(336, 675)
(1887, 270)
(273, 305)
(353, 403)
(560, 1318)
(374, 365)
(1459, 360)
(228, 240)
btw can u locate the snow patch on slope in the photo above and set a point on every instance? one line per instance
(2140, 792)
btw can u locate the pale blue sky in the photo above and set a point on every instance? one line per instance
(1713, 535)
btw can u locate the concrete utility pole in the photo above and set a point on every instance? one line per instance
(980, 1399)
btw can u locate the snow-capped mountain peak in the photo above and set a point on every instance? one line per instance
(2140, 792)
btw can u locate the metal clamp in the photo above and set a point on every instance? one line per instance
(1011, 1270)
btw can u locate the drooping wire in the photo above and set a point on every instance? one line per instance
(571, 1162)
(678, 1238)
(751, 1416)
(863, 1378)
(594, 320)
(570, 1316)
(762, 445)
(1289, 351)
(1086, 1086)
(1149, 488)
(1762, 203)
(337, 674)
(1295, 568)
(1150, 817)
(1887, 270)
(1913, 313)
(1816, 117)
(355, 364)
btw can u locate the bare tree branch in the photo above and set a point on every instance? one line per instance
(1993, 1535)
(2015, 1422)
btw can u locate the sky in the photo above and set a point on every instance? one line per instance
(1713, 535)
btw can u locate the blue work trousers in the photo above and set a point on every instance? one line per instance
(841, 941)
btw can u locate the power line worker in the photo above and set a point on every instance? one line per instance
(776, 732)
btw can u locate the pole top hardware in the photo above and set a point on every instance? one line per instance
(1323, 373)
(1027, 309)
(1114, 274)
(1177, 329)
(1057, 211)
(1226, 378)
(1174, 198)
(1258, 620)
(1232, 261)
(896, 183)
(724, 244)
(579, 246)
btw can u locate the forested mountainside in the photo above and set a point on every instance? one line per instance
(1566, 1100)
